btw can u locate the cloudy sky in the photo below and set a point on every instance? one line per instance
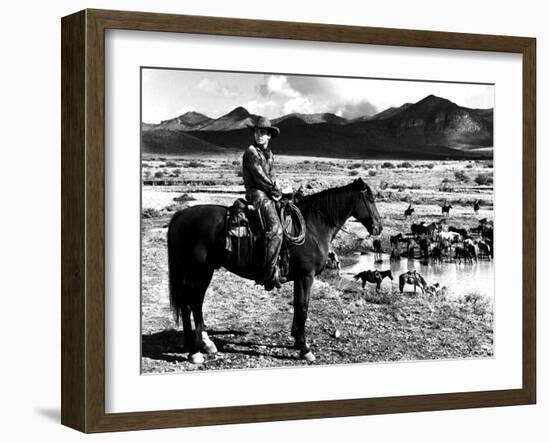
(169, 93)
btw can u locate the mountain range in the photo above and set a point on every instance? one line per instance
(432, 128)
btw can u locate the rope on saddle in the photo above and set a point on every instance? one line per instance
(292, 221)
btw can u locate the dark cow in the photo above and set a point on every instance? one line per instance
(461, 232)
(409, 211)
(446, 208)
(419, 229)
(395, 255)
(377, 248)
(462, 254)
(437, 254)
(394, 240)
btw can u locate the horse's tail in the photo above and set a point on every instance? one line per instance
(175, 273)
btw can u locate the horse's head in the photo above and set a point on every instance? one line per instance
(365, 210)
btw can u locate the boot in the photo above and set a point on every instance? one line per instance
(274, 281)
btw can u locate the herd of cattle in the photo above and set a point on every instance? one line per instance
(435, 242)
(438, 241)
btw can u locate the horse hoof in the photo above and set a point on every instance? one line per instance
(207, 346)
(196, 358)
(309, 356)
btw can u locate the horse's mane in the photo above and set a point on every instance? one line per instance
(329, 202)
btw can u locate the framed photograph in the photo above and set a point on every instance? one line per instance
(266, 221)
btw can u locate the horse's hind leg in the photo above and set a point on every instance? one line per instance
(200, 341)
(205, 344)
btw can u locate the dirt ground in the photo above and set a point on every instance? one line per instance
(251, 327)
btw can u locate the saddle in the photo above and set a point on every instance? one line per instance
(244, 239)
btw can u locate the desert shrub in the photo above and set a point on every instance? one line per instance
(171, 164)
(354, 172)
(484, 179)
(150, 213)
(430, 165)
(354, 166)
(235, 162)
(176, 172)
(469, 166)
(405, 165)
(159, 174)
(387, 165)
(372, 172)
(489, 164)
(195, 164)
(184, 197)
(383, 185)
(324, 167)
(174, 207)
(445, 186)
(461, 176)
(398, 186)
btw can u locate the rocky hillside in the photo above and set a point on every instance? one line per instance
(433, 128)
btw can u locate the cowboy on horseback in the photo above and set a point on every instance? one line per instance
(263, 192)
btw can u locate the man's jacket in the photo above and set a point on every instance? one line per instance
(257, 175)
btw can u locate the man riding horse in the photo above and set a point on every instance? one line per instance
(263, 192)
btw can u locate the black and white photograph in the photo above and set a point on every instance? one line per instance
(302, 220)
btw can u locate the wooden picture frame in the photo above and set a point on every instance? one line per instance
(83, 220)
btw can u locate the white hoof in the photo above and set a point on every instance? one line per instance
(309, 356)
(196, 358)
(207, 345)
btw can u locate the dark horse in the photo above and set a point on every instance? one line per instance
(196, 247)
(374, 277)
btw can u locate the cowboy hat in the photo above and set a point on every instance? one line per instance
(264, 123)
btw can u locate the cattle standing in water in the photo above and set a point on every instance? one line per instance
(377, 248)
(484, 249)
(394, 240)
(410, 249)
(374, 277)
(395, 256)
(463, 254)
(437, 254)
(471, 247)
(409, 211)
(424, 245)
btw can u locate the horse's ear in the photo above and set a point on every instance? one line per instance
(360, 184)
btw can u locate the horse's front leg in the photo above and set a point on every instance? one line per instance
(302, 290)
